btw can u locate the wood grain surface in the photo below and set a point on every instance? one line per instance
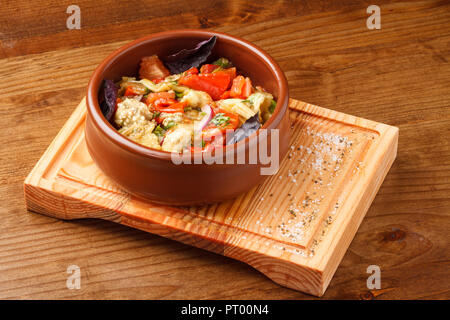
(295, 227)
(399, 75)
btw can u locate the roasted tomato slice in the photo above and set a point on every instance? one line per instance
(152, 97)
(152, 68)
(192, 70)
(207, 147)
(169, 105)
(208, 68)
(241, 88)
(211, 131)
(134, 90)
(156, 81)
(230, 71)
(215, 131)
(225, 95)
(225, 120)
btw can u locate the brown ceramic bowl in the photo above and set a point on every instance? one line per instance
(151, 174)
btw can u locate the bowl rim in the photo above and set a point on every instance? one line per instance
(94, 111)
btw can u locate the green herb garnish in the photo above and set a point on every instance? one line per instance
(179, 94)
(272, 106)
(170, 125)
(223, 62)
(220, 119)
(159, 131)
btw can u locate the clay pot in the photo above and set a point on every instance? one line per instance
(151, 174)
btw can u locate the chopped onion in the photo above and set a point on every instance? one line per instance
(199, 125)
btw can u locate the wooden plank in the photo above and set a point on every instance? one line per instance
(399, 75)
(108, 20)
(294, 228)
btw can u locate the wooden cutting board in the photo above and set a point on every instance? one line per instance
(294, 228)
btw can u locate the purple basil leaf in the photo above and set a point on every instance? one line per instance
(189, 58)
(247, 129)
(108, 100)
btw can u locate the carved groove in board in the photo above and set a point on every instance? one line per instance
(282, 227)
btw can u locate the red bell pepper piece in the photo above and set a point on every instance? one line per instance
(241, 87)
(192, 70)
(230, 71)
(225, 95)
(156, 81)
(215, 84)
(216, 133)
(152, 97)
(134, 90)
(169, 105)
(208, 68)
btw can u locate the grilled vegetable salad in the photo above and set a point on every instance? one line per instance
(184, 104)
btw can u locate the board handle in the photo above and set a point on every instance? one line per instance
(59, 206)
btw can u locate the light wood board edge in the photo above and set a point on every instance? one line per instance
(308, 275)
(382, 155)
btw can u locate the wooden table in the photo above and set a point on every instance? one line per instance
(399, 75)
